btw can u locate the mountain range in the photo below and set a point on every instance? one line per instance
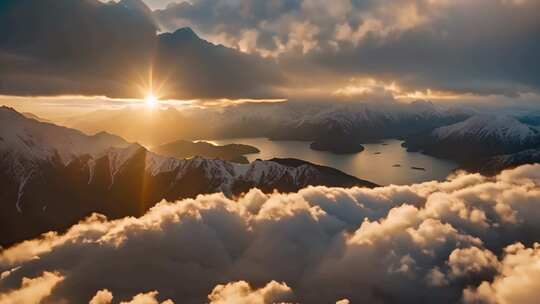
(53, 176)
(341, 127)
(456, 133)
(478, 137)
(344, 128)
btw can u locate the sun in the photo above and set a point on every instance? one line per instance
(151, 100)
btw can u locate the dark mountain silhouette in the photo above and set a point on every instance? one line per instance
(495, 164)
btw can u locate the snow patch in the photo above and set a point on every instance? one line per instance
(504, 128)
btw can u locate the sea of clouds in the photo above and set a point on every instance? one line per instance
(469, 239)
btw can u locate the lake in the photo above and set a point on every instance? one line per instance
(378, 163)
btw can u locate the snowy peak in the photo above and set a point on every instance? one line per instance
(25, 141)
(476, 138)
(28, 143)
(52, 176)
(9, 113)
(504, 129)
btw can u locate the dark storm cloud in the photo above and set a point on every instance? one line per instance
(314, 47)
(83, 47)
(94, 48)
(194, 68)
(470, 237)
(481, 47)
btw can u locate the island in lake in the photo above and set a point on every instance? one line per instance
(185, 149)
(337, 146)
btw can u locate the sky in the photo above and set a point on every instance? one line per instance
(448, 51)
(449, 47)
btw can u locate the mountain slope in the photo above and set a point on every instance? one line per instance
(503, 129)
(35, 117)
(477, 137)
(53, 176)
(494, 165)
(25, 142)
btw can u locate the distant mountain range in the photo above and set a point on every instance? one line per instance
(341, 128)
(35, 117)
(477, 138)
(344, 128)
(455, 133)
(150, 127)
(54, 176)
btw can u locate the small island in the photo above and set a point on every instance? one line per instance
(418, 168)
(337, 146)
(185, 149)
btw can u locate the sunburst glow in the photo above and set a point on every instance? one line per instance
(151, 100)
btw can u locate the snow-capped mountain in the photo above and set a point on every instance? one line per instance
(342, 122)
(343, 128)
(503, 129)
(53, 176)
(24, 142)
(477, 137)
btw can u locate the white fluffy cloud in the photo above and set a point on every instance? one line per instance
(241, 293)
(518, 279)
(235, 292)
(102, 297)
(430, 242)
(106, 297)
(32, 290)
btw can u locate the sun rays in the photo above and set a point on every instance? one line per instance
(151, 100)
